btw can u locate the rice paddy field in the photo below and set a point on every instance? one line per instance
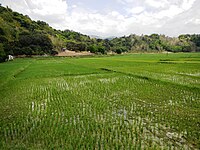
(134, 101)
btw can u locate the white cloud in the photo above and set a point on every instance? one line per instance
(193, 21)
(197, 21)
(157, 3)
(51, 11)
(125, 1)
(187, 4)
(74, 6)
(50, 7)
(96, 23)
(136, 10)
(172, 11)
(133, 16)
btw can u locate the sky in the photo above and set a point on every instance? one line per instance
(108, 18)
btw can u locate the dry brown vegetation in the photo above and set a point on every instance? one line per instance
(73, 53)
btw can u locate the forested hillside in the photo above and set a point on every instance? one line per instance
(19, 35)
(155, 42)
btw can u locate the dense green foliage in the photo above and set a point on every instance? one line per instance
(19, 35)
(157, 43)
(138, 101)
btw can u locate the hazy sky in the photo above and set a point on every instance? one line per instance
(114, 17)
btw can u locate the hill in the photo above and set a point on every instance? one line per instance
(156, 43)
(19, 35)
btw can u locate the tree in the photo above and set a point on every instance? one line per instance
(92, 48)
(2, 53)
(35, 44)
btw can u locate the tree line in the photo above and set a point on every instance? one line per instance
(19, 35)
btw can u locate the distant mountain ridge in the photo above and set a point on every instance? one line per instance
(100, 37)
(96, 37)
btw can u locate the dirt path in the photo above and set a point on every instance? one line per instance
(73, 53)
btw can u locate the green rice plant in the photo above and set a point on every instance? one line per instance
(75, 104)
